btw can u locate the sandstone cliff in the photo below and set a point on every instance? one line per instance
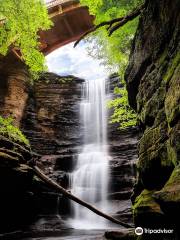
(153, 84)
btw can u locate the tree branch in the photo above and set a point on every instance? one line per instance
(60, 189)
(126, 19)
(113, 24)
(15, 51)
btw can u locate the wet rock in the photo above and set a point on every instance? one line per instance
(146, 210)
(169, 196)
(127, 234)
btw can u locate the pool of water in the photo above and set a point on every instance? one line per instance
(71, 235)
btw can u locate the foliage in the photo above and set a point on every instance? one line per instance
(114, 50)
(123, 114)
(9, 130)
(20, 21)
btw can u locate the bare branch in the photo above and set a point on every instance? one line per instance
(113, 24)
(93, 29)
(126, 19)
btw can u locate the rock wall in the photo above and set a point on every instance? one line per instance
(153, 85)
(49, 117)
(22, 193)
(14, 85)
(123, 151)
(51, 122)
(48, 113)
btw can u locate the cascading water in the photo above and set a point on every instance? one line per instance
(89, 181)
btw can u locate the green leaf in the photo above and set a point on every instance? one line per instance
(8, 129)
(23, 20)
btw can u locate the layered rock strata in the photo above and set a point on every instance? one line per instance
(122, 144)
(14, 87)
(51, 123)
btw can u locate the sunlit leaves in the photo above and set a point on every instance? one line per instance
(8, 129)
(114, 50)
(23, 20)
(123, 114)
(94, 6)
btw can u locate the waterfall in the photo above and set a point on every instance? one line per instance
(89, 180)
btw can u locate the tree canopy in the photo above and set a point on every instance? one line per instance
(20, 21)
(114, 50)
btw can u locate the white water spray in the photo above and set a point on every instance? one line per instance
(89, 181)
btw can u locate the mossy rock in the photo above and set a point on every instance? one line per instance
(172, 100)
(169, 197)
(155, 166)
(172, 153)
(152, 137)
(152, 106)
(173, 66)
(174, 144)
(171, 191)
(146, 210)
(53, 78)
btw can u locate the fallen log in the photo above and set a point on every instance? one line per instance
(57, 187)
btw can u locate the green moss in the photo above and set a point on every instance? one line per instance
(172, 67)
(7, 129)
(172, 154)
(172, 107)
(152, 138)
(145, 202)
(163, 56)
(171, 190)
(175, 176)
(52, 78)
(65, 80)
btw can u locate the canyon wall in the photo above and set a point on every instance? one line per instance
(48, 114)
(122, 144)
(14, 87)
(153, 84)
(52, 123)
